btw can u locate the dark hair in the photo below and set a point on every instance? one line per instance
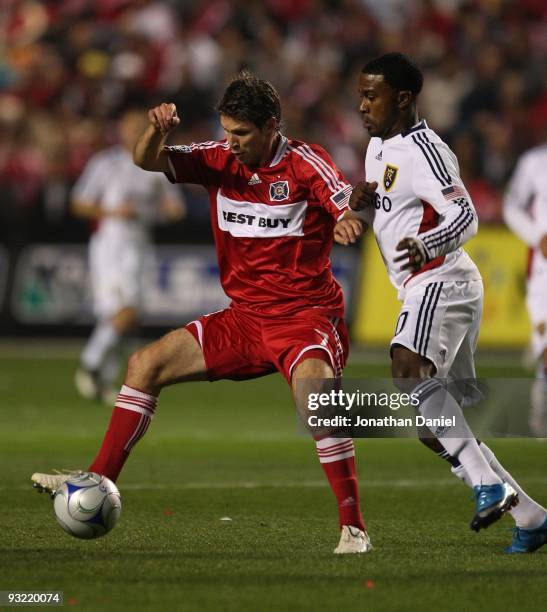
(398, 70)
(249, 98)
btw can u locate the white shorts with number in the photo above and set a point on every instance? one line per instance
(440, 321)
(116, 270)
(536, 301)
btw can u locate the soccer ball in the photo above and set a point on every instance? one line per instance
(87, 505)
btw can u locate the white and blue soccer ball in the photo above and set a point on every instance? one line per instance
(87, 505)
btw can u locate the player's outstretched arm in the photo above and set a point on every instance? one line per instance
(92, 211)
(148, 153)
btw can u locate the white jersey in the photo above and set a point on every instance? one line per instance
(112, 181)
(118, 248)
(525, 212)
(525, 209)
(420, 194)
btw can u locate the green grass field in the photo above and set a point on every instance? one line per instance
(231, 449)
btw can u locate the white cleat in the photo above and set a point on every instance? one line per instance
(353, 540)
(51, 482)
(87, 384)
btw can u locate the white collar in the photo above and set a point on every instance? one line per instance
(280, 151)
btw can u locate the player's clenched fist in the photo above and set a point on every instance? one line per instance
(348, 231)
(363, 195)
(164, 117)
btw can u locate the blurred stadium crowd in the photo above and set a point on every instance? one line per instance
(67, 69)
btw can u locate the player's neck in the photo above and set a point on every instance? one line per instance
(271, 151)
(403, 124)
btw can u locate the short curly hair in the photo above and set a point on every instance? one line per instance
(398, 70)
(249, 98)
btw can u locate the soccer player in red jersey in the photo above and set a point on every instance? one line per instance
(274, 204)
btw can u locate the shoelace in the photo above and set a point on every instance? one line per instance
(66, 472)
(516, 532)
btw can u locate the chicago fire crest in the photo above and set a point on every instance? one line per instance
(279, 191)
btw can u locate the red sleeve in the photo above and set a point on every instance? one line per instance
(199, 163)
(326, 182)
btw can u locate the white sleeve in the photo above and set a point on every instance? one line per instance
(516, 203)
(436, 180)
(89, 187)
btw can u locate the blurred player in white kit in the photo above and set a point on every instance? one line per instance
(525, 212)
(123, 201)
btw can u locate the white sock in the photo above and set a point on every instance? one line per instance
(458, 440)
(111, 367)
(103, 338)
(538, 401)
(528, 514)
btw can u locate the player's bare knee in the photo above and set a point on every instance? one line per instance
(407, 368)
(135, 364)
(310, 376)
(143, 370)
(405, 364)
(312, 369)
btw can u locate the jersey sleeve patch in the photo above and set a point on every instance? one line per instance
(450, 193)
(341, 198)
(178, 148)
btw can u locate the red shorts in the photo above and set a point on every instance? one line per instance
(239, 345)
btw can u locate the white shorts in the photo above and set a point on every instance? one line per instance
(116, 271)
(440, 321)
(536, 301)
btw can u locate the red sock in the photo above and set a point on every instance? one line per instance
(130, 420)
(337, 458)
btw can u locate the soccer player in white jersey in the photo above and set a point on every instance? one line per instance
(525, 212)
(421, 214)
(122, 201)
(274, 203)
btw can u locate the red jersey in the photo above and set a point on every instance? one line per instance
(273, 226)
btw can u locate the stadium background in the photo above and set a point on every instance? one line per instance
(69, 68)
(231, 449)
